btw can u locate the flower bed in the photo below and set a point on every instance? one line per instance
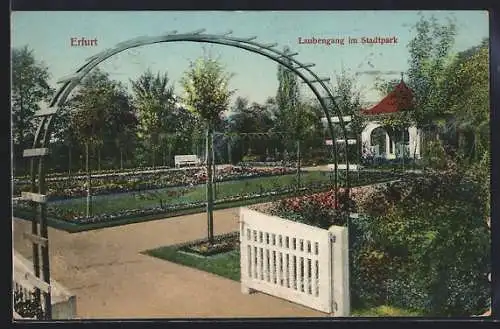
(286, 164)
(73, 216)
(220, 245)
(128, 182)
(64, 175)
(317, 209)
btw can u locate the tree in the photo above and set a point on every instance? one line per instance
(467, 99)
(93, 105)
(430, 52)
(207, 94)
(467, 128)
(430, 55)
(349, 101)
(123, 125)
(287, 99)
(252, 118)
(155, 102)
(293, 117)
(29, 88)
(64, 134)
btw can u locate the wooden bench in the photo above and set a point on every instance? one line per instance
(189, 159)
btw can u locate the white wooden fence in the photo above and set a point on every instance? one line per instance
(63, 302)
(294, 261)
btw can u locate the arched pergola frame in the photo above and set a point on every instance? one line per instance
(44, 130)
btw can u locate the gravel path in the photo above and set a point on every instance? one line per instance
(111, 279)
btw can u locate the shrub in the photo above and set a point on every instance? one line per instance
(27, 306)
(251, 158)
(316, 209)
(422, 244)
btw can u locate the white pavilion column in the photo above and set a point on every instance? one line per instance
(387, 146)
(414, 135)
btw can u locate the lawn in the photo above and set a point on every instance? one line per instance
(187, 195)
(106, 204)
(136, 206)
(228, 265)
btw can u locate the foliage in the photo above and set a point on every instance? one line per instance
(422, 243)
(287, 100)
(436, 155)
(27, 306)
(207, 95)
(206, 87)
(155, 102)
(251, 118)
(430, 56)
(29, 89)
(430, 52)
(467, 97)
(480, 173)
(317, 209)
(385, 311)
(100, 115)
(348, 99)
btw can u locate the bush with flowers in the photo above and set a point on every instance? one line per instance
(316, 209)
(421, 243)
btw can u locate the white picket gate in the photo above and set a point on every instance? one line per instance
(303, 264)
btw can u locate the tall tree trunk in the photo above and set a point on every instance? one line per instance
(476, 146)
(359, 148)
(210, 195)
(99, 158)
(121, 159)
(69, 160)
(403, 147)
(154, 156)
(298, 164)
(89, 180)
(214, 164)
(417, 142)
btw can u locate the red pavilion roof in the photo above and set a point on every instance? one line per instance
(399, 99)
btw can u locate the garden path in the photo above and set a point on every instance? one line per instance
(112, 279)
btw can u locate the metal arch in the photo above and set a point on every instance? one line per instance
(286, 60)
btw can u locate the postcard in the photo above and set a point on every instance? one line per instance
(244, 164)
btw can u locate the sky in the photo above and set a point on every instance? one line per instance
(49, 35)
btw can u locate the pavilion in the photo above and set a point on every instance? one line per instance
(399, 99)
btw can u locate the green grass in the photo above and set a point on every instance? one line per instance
(117, 202)
(75, 227)
(227, 265)
(135, 200)
(102, 204)
(385, 310)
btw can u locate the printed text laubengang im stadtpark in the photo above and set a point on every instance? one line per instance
(349, 41)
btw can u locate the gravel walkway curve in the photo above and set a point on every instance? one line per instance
(112, 279)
